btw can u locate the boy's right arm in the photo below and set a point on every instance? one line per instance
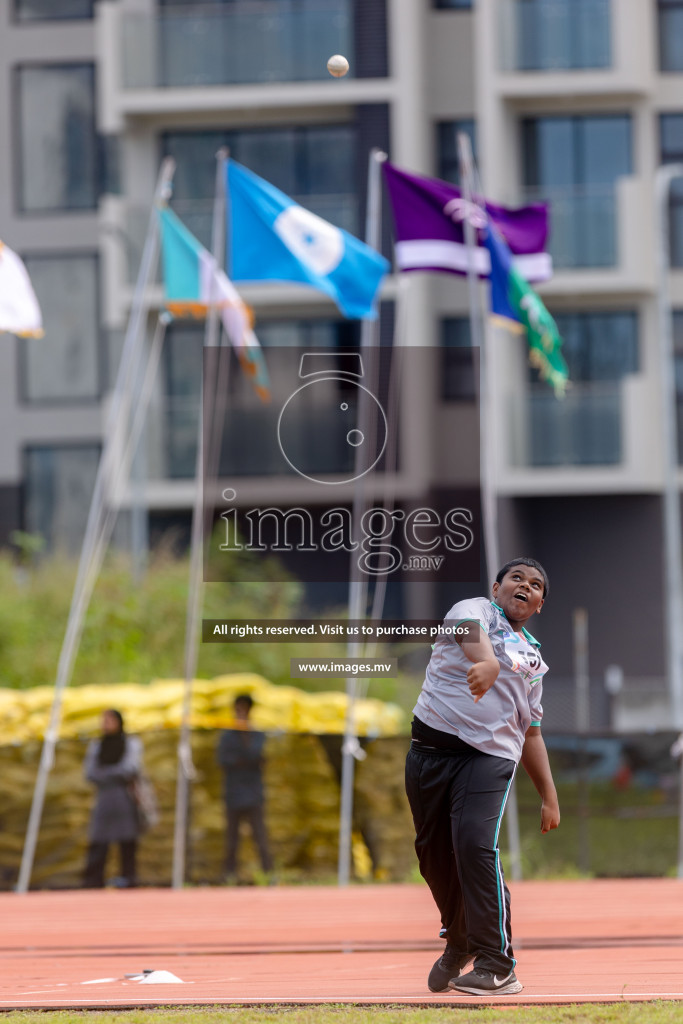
(478, 649)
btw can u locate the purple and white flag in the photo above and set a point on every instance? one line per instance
(429, 216)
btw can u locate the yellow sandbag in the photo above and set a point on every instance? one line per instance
(24, 715)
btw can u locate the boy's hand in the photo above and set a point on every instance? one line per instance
(481, 677)
(550, 815)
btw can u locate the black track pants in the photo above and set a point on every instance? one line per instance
(93, 877)
(254, 816)
(457, 799)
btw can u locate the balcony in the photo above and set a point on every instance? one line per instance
(601, 236)
(555, 35)
(250, 446)
(599, 439)
(195, 46)
(591, 48)
(582, 429)
(583, 224)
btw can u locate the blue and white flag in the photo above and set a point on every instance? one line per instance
(272, 238)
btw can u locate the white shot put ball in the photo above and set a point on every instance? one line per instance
(337, 65)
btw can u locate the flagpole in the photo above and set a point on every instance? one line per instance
(85, 577)
(478, 340)
(217, 399)
(358, 587)
(185, 768)
(125, 462)
(391, 456)
(487, 433)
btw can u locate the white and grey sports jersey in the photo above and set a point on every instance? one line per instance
(498, 722)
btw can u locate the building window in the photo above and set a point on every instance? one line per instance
(599, 346)
(63, 366)
(183, 376)
(573, 163)
(109, 164)
(52, 10)
(555, 35)
(453, 5)
(585, 428)
(678, 371)
(314, 165)
(57, 141)
(671, 145)
(250, 447)
(447, 147)
(670, 35)
(59, 482)
(189, 45)
(458, 368)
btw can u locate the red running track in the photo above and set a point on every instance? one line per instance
(579, 941)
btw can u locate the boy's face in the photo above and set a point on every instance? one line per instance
(520, 593)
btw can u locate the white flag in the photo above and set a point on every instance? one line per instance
(19, 309)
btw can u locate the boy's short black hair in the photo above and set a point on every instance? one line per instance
(533, 564)
(244, 698)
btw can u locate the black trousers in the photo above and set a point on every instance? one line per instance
(93, 876)
(254, 817)
(457, 798)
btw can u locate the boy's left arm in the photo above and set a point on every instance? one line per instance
(537, 767)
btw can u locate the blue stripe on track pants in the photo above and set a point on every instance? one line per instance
(457, 798)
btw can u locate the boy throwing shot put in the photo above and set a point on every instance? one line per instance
(478, 714)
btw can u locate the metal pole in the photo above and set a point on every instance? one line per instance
(358, 586)
(478, 340)
(673, 603)
(679, 870)
(84, 579)
(122, 469)
(185, 769)
(582, 697)
(671, 507)
(487, 433)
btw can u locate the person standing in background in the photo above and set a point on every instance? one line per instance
(240, 755)
(112, 763)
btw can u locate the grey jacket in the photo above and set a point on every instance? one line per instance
(114, 818)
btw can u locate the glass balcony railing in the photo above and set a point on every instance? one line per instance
(555, 35)
(582, 429)
(250, 447)
(245, 43)
(197, 215)
(583, 224)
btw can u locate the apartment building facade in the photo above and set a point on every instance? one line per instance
(572, 101)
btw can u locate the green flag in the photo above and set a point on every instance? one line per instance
(514, 301)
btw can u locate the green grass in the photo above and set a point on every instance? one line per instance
(630, 833)
(589, 1013)
(134, 632)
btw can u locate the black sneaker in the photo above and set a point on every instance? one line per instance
(448, 966)
(479, 982)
